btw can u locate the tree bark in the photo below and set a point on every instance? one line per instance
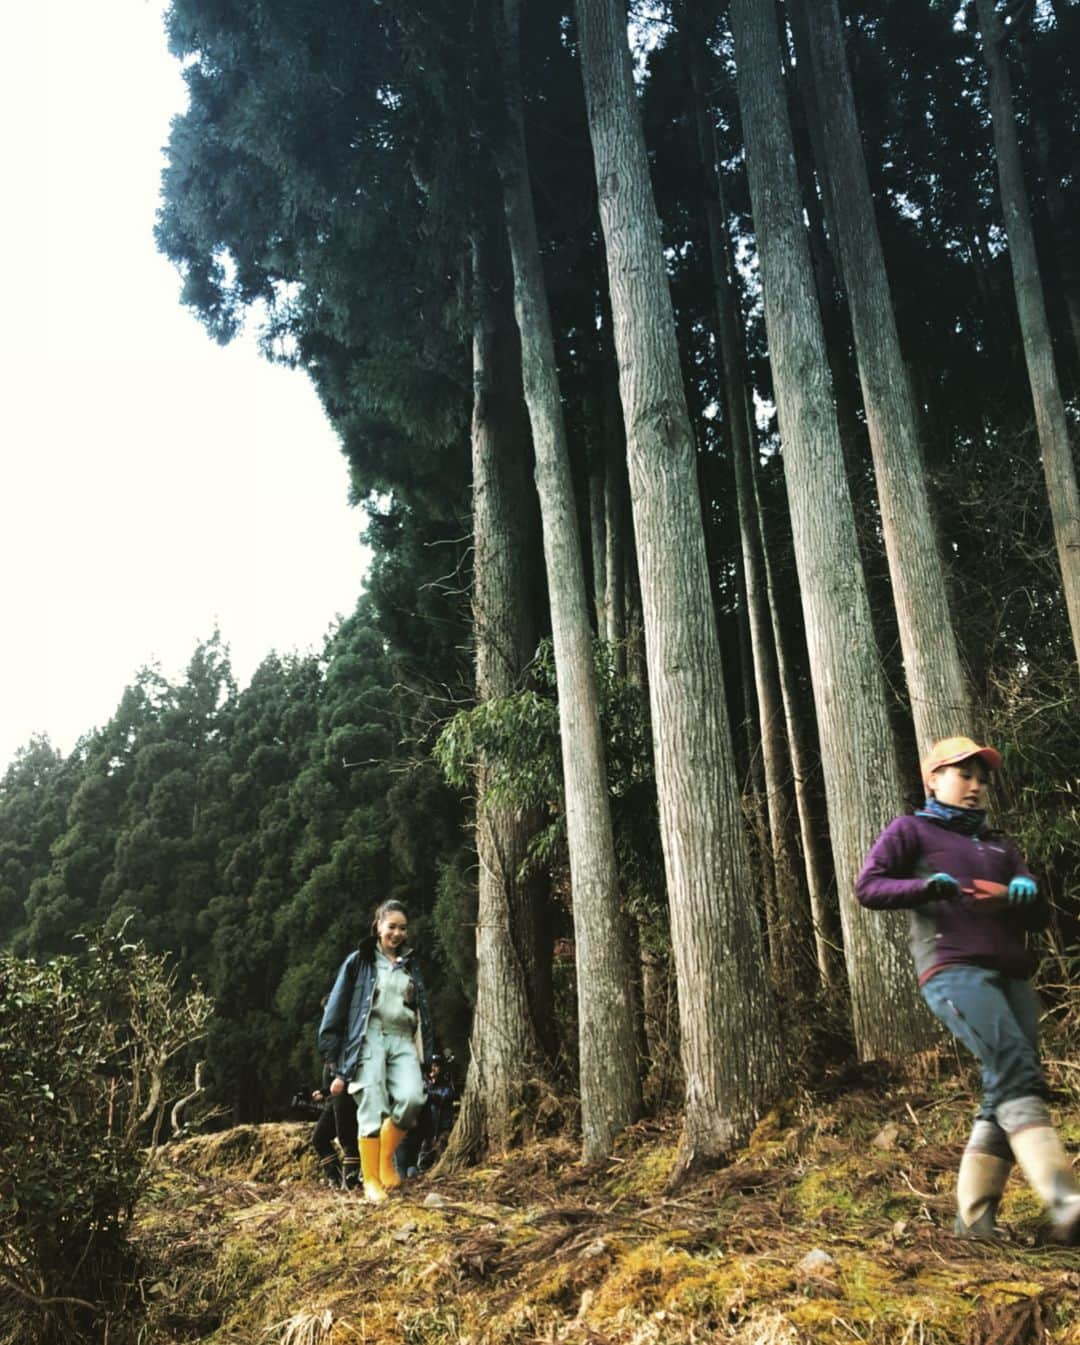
(824, 253)
(730, 1050)
(608, 1066)
(617, 505)
(798, 736)
(616, 500)
(1050, 420)
(849, 695)
(935, 677)
(596, 448)
(505, 1043)
(1064, 231)
(176, 1116)
(790, 935)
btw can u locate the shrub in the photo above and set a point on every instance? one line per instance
(86, 1045)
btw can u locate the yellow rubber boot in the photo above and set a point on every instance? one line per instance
(390, 1136)
(369, 1167)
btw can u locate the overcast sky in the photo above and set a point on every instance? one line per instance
(152, 484)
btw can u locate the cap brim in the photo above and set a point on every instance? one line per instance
(990, 755)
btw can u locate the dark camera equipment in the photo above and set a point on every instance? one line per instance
(302, 1102)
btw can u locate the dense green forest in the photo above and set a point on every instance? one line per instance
(712, 404)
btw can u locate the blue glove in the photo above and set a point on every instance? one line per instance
(1022, 891)
(942, 887)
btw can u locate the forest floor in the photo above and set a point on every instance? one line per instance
(832, 1226)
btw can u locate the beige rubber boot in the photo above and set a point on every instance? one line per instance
(369, 1167)
(979, 1186)
(389, 1138)
(1046, 1165)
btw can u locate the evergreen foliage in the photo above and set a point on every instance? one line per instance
(519, 736)
(249, 834)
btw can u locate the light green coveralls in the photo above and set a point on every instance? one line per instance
(388, 1081)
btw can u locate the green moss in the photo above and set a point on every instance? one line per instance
(729, 1288)
(555, 1288)
(826, 1190)
(1069, 1129)
(435, 1325)
(646, 1174)
(239, 1269)
(642, 1277)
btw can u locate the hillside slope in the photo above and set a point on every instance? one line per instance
(831, 1227)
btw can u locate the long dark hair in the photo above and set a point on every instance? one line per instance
(385, 908)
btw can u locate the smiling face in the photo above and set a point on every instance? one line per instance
(961, 785)
(392, 929)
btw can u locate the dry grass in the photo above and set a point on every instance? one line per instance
(536, 1250)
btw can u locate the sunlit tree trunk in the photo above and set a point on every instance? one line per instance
(616, 498)
(849, 694)
(608, 1066)
(730, 1051)
(935, 676)
(1038, 350)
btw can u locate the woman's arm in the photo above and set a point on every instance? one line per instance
(335, 1015)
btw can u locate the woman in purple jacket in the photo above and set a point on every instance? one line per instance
(972, 901)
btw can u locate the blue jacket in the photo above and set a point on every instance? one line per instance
(345, 1018)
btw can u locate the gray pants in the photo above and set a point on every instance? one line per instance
(388, 1081)
(997, 1019)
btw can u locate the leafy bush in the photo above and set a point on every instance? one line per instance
(86, 1046)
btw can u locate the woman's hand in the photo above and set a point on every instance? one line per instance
(338, 1086)
(942, 887)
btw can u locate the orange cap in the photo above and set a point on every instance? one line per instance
(949, 751)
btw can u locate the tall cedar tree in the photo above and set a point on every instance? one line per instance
(790, 916)
(848, 690)
(505, 1040)
(935, 677)
(1054, 445)
(607, 1066)
(730, 1045)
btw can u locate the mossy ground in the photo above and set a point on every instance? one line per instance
(242, 1246)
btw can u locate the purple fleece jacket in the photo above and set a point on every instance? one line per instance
(962, 929)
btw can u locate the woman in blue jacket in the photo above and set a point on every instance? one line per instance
(971, 903)
(376, 1035)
